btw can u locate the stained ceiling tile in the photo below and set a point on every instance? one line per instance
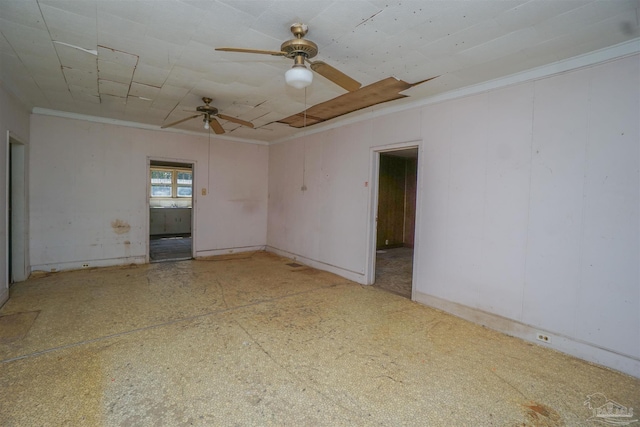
(81, 79)
(114, 71)
(339, 20)
(151, 76)
(76, 58)
(144, 91)
(106, 53)
(108, 87)
(138, 103)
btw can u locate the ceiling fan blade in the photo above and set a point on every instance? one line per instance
(234, 120)
(242, 50)
(180, 121)
(336, 76)
(216, 126)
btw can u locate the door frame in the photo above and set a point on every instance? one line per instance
(17, 247)
(374, 176)
(194, 164)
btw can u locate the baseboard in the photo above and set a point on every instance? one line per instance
(227, 251)
(79, 265)
(347, 274)
(580, 349)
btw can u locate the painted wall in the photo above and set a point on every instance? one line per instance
(528, 198)
(89, 186)
(14, 118)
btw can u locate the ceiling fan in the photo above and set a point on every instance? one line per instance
(301, 50)
(208, 112)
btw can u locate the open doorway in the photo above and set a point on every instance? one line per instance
(396, 216)
(16, 212)
(170, 211)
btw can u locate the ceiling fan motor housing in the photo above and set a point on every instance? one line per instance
(207, 109)
(299, 46)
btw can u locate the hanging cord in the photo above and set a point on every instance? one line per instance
(209, 161)
(304, 143)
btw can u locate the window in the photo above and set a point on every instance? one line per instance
(171, 183)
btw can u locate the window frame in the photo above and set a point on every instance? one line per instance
(174, 182)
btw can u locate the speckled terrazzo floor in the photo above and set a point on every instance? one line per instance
(251, 341)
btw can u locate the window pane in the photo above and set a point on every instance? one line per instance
(160, 191)
(161, 177)
(184, 178)
(184, 191)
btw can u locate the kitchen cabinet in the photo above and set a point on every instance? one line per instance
(169, 221)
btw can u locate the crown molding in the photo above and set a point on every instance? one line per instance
(125, 123)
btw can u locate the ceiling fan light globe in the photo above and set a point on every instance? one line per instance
(206, 124)
(298, 77)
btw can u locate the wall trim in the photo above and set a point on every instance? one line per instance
(600, 56)
(125, 123)
(343, 272)
(228, 251)
(80, 265)
(583, 350)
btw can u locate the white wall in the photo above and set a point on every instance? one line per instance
(87, 177)
(14, 118)
(529, 201)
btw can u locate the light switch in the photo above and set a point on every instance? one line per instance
(204, 191)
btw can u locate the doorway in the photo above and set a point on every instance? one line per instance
(170, 211)
(16, 212)
(396, 219)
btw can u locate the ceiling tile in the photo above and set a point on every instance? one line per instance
(144, 91)
(65, 20)
(25, 12)
(24, 39)
(126, 59)
(151, 76)
(114, 71)
(76, 58)
(107, 87)
(80, 93)
(164, 50)
(81, 79)
(56, 97)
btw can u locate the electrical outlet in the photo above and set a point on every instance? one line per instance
(386, 242)
(542, 337)
(85, 265)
